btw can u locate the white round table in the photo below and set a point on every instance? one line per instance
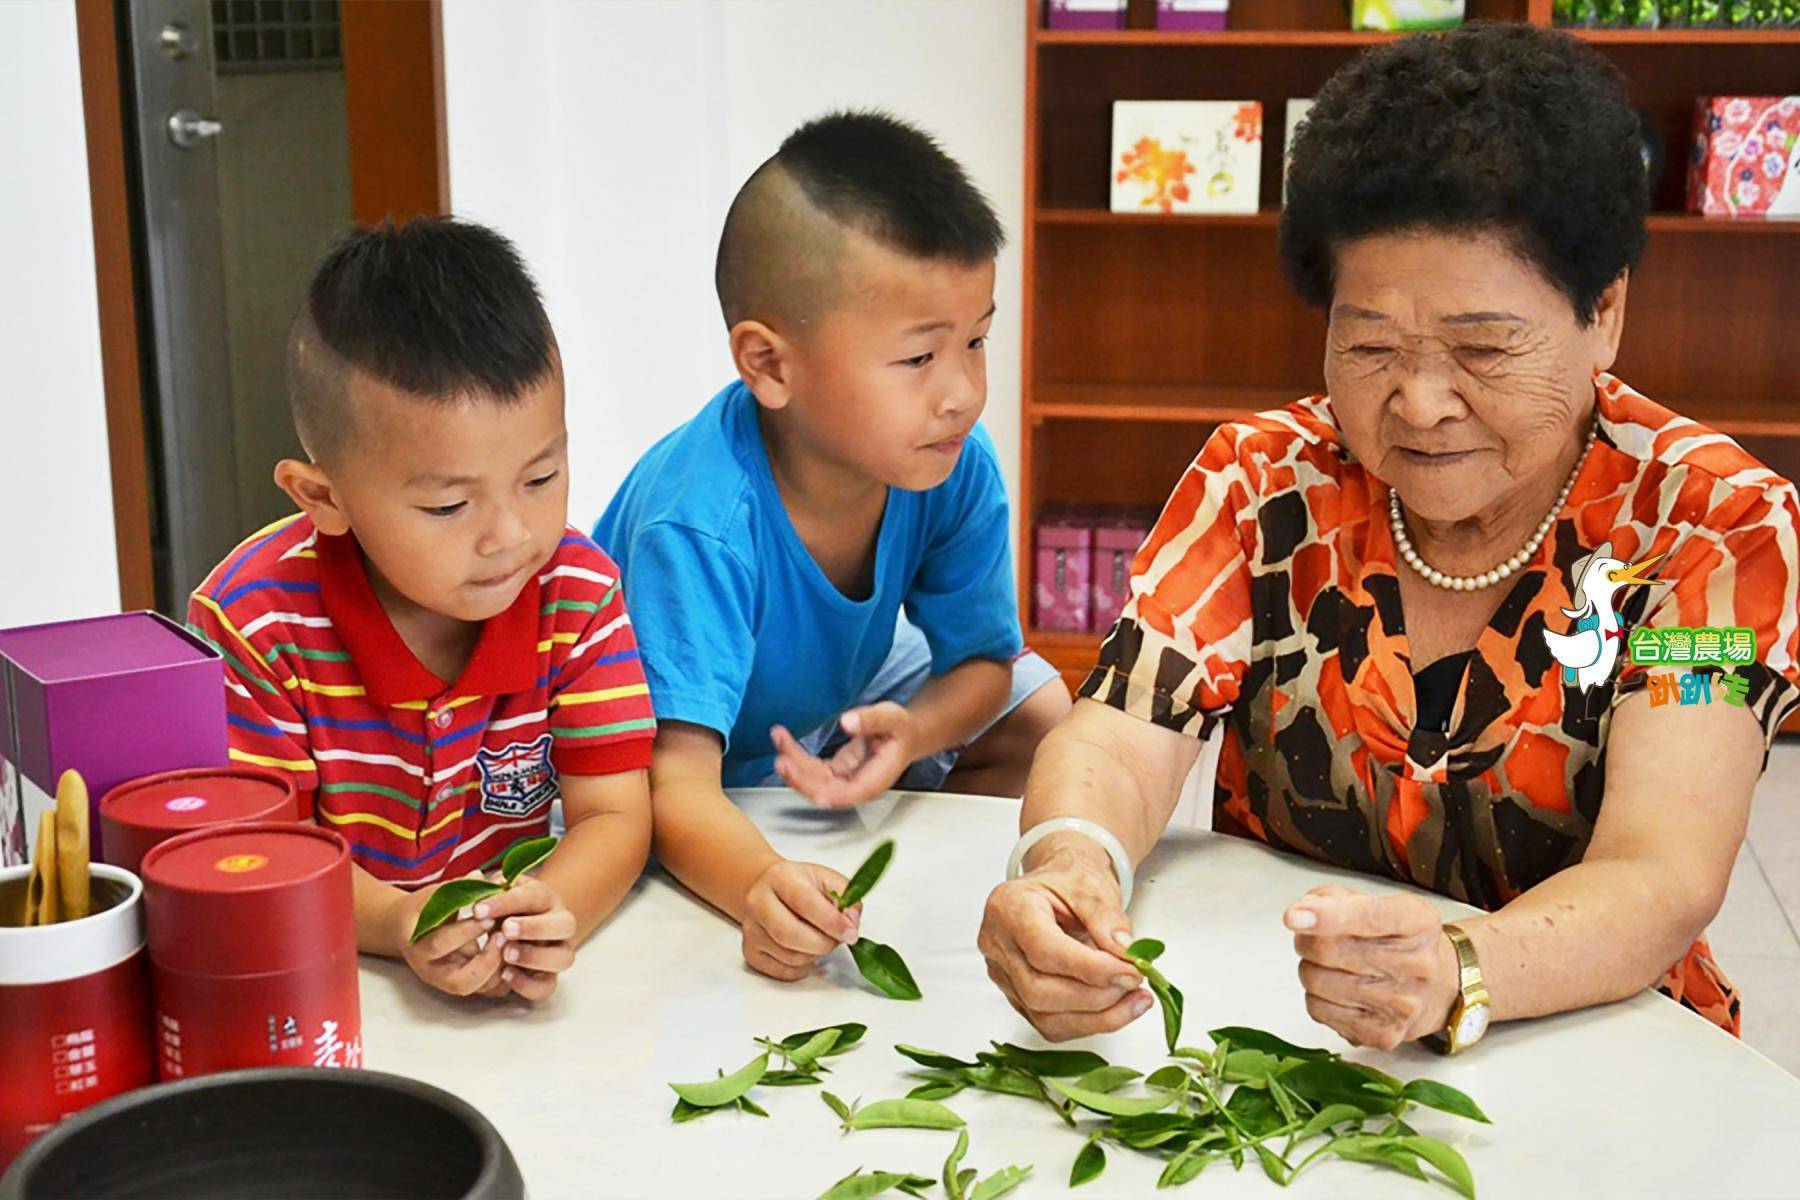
(1641, 1098)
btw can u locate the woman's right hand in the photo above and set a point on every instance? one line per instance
(1055, 939)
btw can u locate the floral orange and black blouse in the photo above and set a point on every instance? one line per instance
(1266, 598)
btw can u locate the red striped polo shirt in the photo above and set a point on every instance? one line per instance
(427, 780)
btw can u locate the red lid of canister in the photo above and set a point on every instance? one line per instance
(139, 814)
(248, 899)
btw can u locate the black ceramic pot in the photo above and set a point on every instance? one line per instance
(277, 1132)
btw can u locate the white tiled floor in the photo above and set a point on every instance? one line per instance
(1756, 935)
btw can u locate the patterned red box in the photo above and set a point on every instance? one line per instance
(1745, 160)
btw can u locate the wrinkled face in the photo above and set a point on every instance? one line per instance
(894, 376)
(455, 505)
(1459, 373)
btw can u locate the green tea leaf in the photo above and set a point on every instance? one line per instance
(1088, 1164)
(1249, 1066)
(1007, 1081)
(1186, 1166)
(866, 875)
(1273, 1165)
(1107, 1079)
(1254, 1111)
(1114, 1106)
(1268, 1043)
(751, 1106)
(1050, 1064)
(1444, 1098)
(525, 856)
(1148, 949)
(807, 1054)
(1157, 1129)
(932, 1058)
(837, 1106)
(1172, 1004)
(789, 1079)
(915, 1185)
(882, 966)
(904, 1114)
(952, 1186)
(690, 1112)
(858, 1186)
(936, 1090)
(849, 1033)
(1285, 1101)
(715, 1092)
(1325, 1118)
(964, 1178)
(1000, 1183)
(1323, 1081)
(1381, 1151)
(451, 898)
(1442, 1156)
(1171, 1078)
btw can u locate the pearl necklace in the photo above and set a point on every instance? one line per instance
(1487, 579)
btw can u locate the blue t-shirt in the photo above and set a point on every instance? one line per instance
(739, 628)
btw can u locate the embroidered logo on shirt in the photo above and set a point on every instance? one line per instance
(519, 780)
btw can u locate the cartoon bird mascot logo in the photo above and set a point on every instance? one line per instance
(1590, 651)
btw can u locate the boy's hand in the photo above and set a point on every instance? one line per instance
(537, 931)
(790, 922)
(881, 746)
(448, 958)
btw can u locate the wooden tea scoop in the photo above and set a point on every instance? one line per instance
(40, 893)
(72, 846)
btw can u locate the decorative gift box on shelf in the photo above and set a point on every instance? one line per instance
(1406, 14)
(112, 697)
(1186, 156)
(1117, 536)
(1745, 160)
(1192, 14)
(1062, 570)
(1085, 14)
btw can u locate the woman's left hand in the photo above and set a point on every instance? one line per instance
(1377, 969)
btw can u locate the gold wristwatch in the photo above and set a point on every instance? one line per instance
(1469, 1014)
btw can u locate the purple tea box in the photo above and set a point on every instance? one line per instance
(1116, 543)
(112, 697)
(1062, 572)
(1085, 14)
(1192, 14)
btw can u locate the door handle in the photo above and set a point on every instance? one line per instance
(188, 128)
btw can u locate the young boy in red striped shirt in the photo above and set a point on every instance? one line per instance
(427, 648)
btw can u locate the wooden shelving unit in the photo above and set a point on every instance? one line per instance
(1144, 332)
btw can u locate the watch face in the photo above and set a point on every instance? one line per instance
(1472, 1024)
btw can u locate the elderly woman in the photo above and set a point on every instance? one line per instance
(1407, 600)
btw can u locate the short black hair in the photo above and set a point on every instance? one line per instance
(1496, 126)
(439, 308)
(865, 170)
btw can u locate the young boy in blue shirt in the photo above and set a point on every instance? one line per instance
(818, 562)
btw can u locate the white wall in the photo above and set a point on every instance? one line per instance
(608, 139)
(57, 554)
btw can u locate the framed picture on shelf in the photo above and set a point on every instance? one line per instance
(1186, 156)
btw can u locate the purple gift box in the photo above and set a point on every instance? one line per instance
(112, 697)
(1063, 571)
(1191, 14)
(1116, 542)
(1086, 14)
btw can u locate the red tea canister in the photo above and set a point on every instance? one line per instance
(142, 813)
(252, 933)
(74, 1007)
